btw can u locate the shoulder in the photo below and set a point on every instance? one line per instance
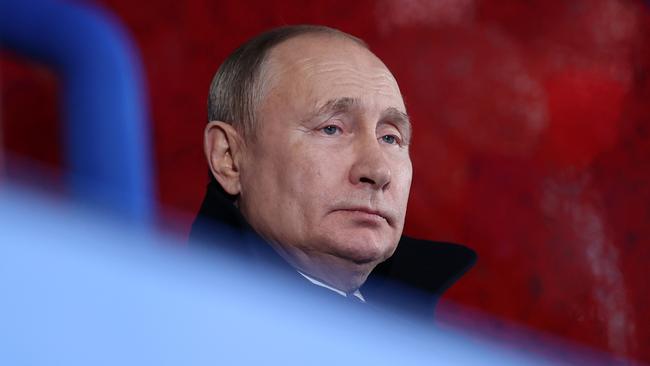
(431, 266)
(418, 273)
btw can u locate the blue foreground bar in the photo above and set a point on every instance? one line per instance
(103, 101)
(80, 289)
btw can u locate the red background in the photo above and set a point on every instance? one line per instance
(531, 139)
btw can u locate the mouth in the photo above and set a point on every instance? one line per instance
(367, 214)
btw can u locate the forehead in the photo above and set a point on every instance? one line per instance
(317, 68)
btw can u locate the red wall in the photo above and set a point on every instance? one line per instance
(531, 146)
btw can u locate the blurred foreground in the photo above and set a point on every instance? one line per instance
(80, 287)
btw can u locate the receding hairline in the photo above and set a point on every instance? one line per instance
(237, 86)
(334, 35)
(265, 70)
(319, 32)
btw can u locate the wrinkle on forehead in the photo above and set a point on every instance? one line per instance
(344, 74)
(309, 56)
(305, 75)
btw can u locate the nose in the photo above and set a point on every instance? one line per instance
(370, 167)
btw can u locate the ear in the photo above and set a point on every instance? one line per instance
(222, 145)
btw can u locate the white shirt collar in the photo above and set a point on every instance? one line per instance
(316, 282)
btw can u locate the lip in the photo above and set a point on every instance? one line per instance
(370, 212)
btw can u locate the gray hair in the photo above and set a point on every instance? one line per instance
(236, 88)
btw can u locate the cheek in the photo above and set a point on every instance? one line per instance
(407, 176)
(311, 176)
(317, 178)
(402, 179)
(296, 178)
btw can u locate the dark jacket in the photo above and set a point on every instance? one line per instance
(410, 281)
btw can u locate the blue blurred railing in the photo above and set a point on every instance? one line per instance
(107, 144)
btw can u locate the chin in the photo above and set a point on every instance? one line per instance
(363, 251)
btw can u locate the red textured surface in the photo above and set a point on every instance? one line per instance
(29, 118)
(532, 140)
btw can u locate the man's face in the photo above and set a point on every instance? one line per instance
(326, 180)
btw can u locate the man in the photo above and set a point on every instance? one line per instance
(308, 147)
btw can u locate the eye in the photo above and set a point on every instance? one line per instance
(331, 130)
(390, 139)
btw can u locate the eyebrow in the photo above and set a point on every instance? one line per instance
(400, 119)
(390, 115)
(337, 105)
